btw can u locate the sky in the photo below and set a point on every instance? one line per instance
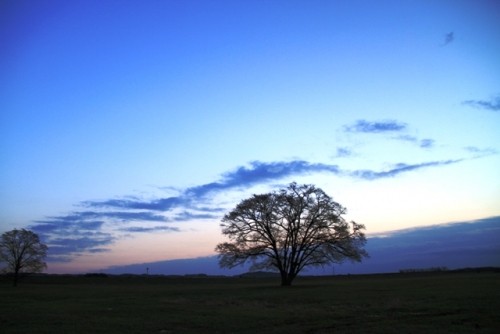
(472, 245)
(129, 128)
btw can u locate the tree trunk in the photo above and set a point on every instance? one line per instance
(285, 282)
(16, 277)
(286, 279)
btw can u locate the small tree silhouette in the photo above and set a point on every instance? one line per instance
(23, 252)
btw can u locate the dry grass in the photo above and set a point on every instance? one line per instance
(410, 303)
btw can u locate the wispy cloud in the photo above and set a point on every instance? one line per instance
(242, 178)
(343, 152)
(83, 232)
(427, 143)
(91, 231)
(245, 177)
(259, 173)
(365, 126)
(408, 138)
(492, 105)
(399, 169)
(423, 143)
(142, 229)
(157, 205)
(448, 38)
(65, 226)
(107, 221)
(65, 248)
(398, 131)
(480, 152)
(186, 215)
(88, 243)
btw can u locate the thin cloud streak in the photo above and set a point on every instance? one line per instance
(141, 229)
(492, 105)
(156, 205)
(480, 152)
(399, 169)
(61, 226)
(423, 143)
(364, 126)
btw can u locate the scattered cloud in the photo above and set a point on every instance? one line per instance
(93, 230)
(480, 152)
(364, 126)
(427, 143)
(343, 152)
(491, 105)
(448, 38)
(423, 143)
(407, 138)
(387, 126)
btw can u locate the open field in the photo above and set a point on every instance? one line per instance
(399, 303)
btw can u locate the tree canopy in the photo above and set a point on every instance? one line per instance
(23, 252)
(288, 230)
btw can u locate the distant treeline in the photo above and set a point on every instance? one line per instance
(423, 270)
(443, 269)
(259, 274)
(477, 270)
(95, 275)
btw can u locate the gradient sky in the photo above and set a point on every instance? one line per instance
(128, 128)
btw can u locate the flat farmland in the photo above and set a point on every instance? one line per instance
(400, 303)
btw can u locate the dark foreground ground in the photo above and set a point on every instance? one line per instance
(400, 303)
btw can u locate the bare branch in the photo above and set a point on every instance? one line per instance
(288, 230)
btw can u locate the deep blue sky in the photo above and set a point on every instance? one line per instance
(128, 128)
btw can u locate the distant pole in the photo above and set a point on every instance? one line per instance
(147, 270)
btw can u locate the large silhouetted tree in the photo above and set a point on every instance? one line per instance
(288, 230)
(23, 252)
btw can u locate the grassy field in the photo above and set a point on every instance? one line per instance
(404, 303)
